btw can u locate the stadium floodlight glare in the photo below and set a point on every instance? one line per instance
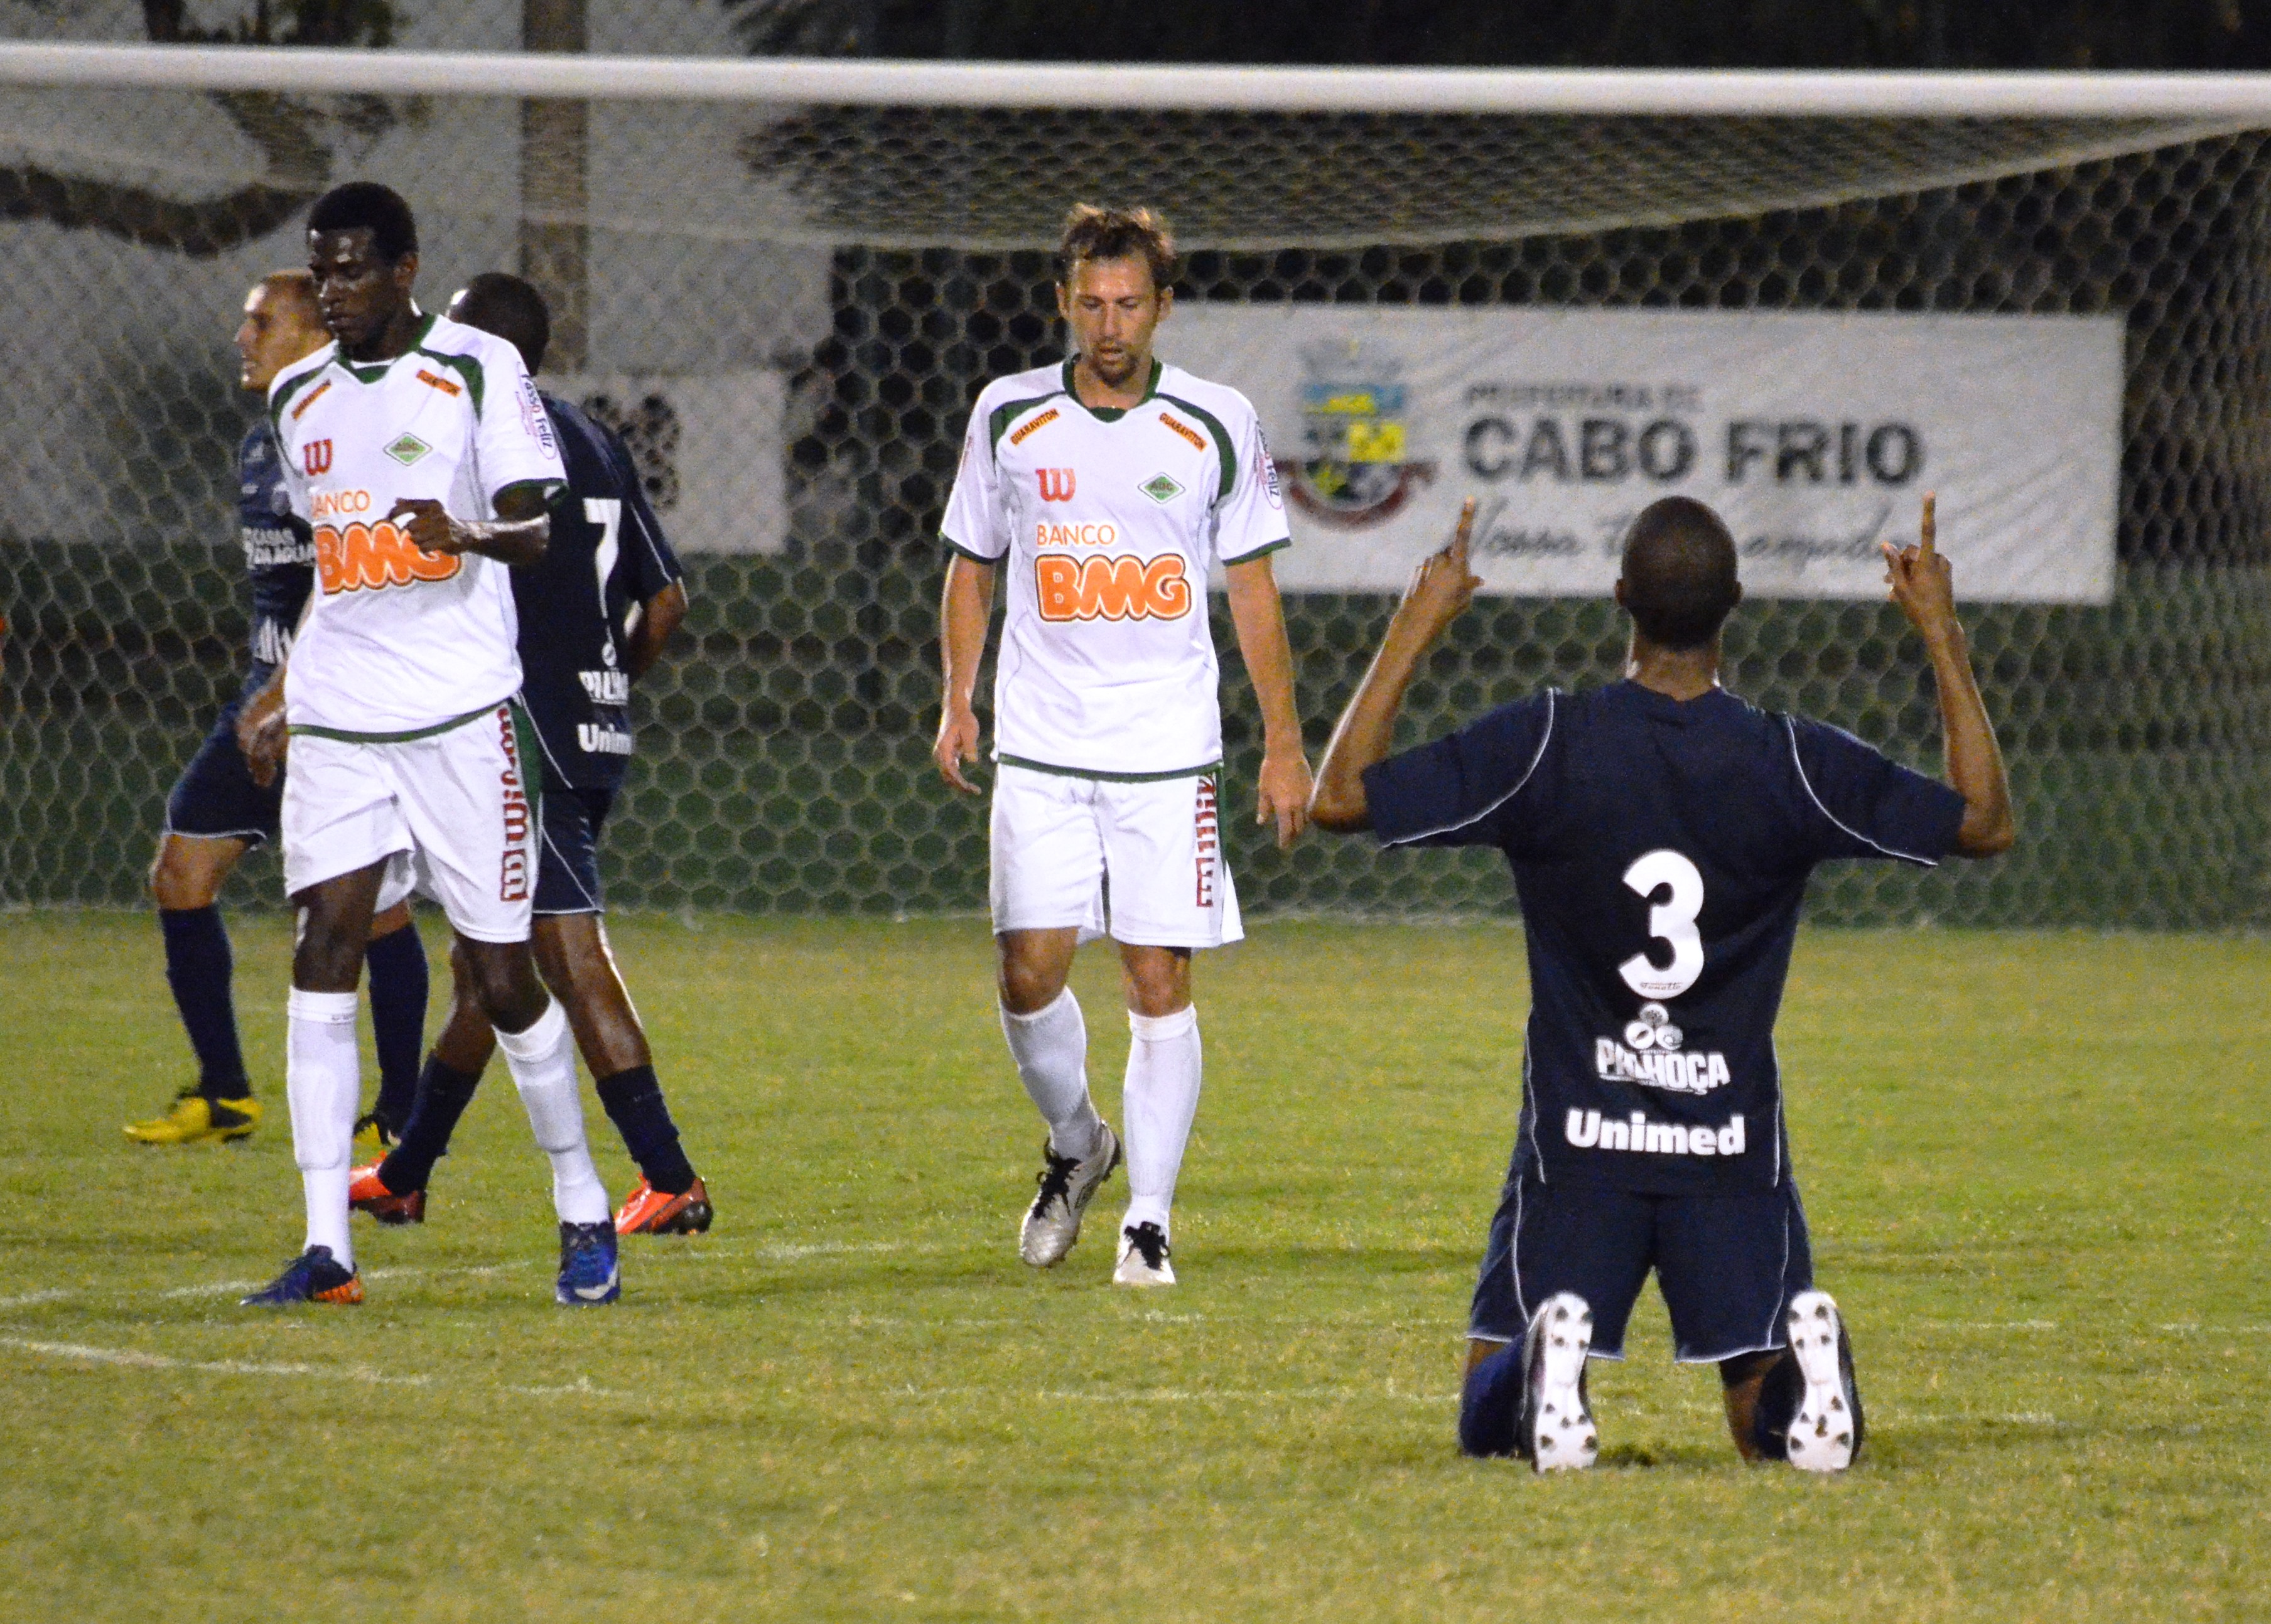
(2231, 98)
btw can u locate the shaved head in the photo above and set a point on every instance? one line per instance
(282, 323)
(295, 291)
(1679, 582)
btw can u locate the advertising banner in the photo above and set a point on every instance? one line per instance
(1814, 437)
(709, 446)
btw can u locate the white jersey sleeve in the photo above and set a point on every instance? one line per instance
(513, 443)
(1250, 520)
(976, 522)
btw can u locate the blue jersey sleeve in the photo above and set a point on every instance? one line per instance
(1462, 789)
(1861, 803)
(647, 552)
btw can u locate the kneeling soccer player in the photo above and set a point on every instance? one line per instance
(1661, 831)
(418, 451)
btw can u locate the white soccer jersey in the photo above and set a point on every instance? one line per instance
(1105, 523)
(400, 640)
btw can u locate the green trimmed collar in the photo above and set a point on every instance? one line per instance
(1110, 414)
(372, 371)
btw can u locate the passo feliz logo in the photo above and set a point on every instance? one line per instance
(363, 556)
(1123, 588)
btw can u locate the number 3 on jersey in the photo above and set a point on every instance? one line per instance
(1671, 921)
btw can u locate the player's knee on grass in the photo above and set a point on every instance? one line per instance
(1490, 1399)
(1764, 1391)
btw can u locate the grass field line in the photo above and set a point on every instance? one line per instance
(778, 1253)
(33, 1299)
(1183, 1395)
(134, 1358)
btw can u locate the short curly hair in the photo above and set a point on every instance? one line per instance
(1094, 233)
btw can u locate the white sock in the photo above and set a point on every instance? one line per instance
(1160, 1098)
(322, 1085)
(543, 1061)
(1051, 1048)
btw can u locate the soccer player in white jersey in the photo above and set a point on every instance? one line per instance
(420, 453)
(1105, 490)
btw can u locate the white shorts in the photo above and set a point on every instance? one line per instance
(1058, 840)
(449, 813)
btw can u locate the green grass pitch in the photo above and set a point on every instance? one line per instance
(2038, 1169)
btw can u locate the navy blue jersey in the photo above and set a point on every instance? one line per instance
(279, 549)
(1660, 850)
(606, 557)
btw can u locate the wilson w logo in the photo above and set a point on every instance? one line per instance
(1111, 589)
(1056, 484)
(371, 556)
(316, 457)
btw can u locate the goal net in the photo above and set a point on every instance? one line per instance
(786, 283)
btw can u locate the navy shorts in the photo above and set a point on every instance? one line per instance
(1727, 1265)
(215, 797)
(568, 869)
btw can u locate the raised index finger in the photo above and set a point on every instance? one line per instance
(1930, 501)
(1460, 537)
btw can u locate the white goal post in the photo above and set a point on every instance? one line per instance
(2226, 99)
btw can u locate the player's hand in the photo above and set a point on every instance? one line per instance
(1443, 585)
(261, 737)
(1283, 793)
(1920, 579)
(430, 526)
(956, 744)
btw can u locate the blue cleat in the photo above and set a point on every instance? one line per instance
(587, 1264)
(314, 1276)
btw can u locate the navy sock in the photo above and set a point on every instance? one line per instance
(443, 1096)
(634, 1103)
(199, 968)
(1489, 1404)
(398, 1020)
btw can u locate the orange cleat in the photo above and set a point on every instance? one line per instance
(646, 1211)
(367, 1194)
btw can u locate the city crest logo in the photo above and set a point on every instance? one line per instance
(408, 450)
(1354, 470)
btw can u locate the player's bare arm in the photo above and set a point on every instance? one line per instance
(1283, 793)
(515, 536)
(652, 626)
(1441, 590)
(1924, 585)
(965, 607)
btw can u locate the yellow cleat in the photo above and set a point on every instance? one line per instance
(196, 1119)
(370, 1136)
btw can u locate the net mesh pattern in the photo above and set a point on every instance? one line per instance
(862, 273)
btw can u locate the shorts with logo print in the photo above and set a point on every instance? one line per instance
(1061, 842)
(568, 867)
(455, 801)
(1728, 1264)
(215, 797)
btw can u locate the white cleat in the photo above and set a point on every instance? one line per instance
(1143, 1257)
(1825, 1434)
(1557, 1428)
(1053, 1222)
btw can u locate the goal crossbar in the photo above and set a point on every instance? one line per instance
(2231, 98)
